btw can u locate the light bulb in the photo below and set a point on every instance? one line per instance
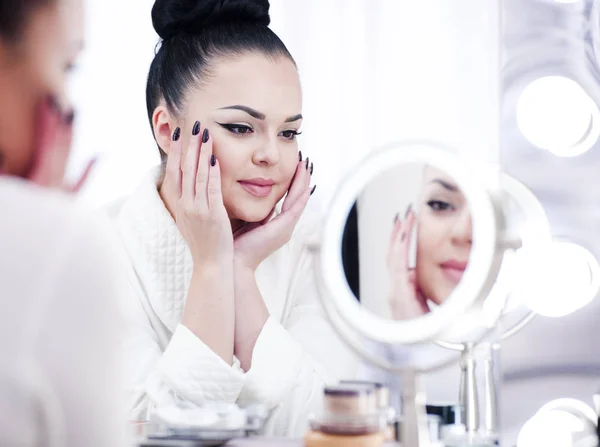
(557, 423)
(556, 114)
(549, 429)
(563, 279)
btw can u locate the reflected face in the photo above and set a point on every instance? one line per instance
(33, 66)
(444, 235)
(252, 107)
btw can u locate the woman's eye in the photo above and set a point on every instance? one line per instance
(237, 129)
(438, 205)
(290, 134)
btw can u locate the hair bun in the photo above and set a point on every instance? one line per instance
(172, 17)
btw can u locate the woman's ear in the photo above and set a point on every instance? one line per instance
(163, 128)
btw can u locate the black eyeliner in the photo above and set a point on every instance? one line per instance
(231, 127)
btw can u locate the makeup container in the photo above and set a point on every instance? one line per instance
(382, 397)
(350, 418)
(450, 415)
(453, 431)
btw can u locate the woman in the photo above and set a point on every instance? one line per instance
(223, 302)
(56, 372)
(443, 247)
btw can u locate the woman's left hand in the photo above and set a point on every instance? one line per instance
(53, 146)
(254, 242)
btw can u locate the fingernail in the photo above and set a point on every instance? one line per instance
(53, 103)
(307, 159)
(313, 190)
(299, 155)
(408, 210)
(213, 159)
(205, 136)
(69, 118)
(311, 169)
(176, 134)
(396, 217)
(403, 237)
(196, 129)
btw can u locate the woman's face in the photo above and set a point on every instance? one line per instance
(252, 108)
(32, 67)
(443, 236)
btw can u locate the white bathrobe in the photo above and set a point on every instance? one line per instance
(59, 327)
(296, 353)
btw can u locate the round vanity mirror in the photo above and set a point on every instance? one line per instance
(413, 241)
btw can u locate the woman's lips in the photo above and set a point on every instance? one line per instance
(258, 187)
(453, 270)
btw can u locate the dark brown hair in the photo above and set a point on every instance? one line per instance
(196, 32)
(14, 15)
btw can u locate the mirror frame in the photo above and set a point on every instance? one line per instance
(476, 182)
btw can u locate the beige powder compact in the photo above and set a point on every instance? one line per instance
(382, 397)
(351, 418)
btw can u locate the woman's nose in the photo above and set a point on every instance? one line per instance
(462, 231)
(267, 153)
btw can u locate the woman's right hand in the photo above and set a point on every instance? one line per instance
(406, 301)
(52, 148)
(193, 182)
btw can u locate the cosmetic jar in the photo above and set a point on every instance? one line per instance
(382, 397)
(350, 400)
(382, 393)
(350, 418)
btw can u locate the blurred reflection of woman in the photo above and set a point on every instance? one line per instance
(443, 234)
(443, 247)
(58, 331)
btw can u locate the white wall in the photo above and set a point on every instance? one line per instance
(373, 72)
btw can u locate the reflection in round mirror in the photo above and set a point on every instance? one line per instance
(414, 246)
(412, 241)
(505, 308)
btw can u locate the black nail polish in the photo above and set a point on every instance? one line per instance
(69, 118)
(307, 159)
(396, 217)
(213, 160)
(299, 155)
(53, 103)
(176, 134)
(311, 168)
(403, 237)
(205, 136)
(408, 211)
(313, 190)
(196, 129)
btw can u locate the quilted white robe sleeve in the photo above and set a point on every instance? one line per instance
(187, 370)
(291, 364)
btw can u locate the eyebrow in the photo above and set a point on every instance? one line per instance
(445, 184)
(258, 115)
